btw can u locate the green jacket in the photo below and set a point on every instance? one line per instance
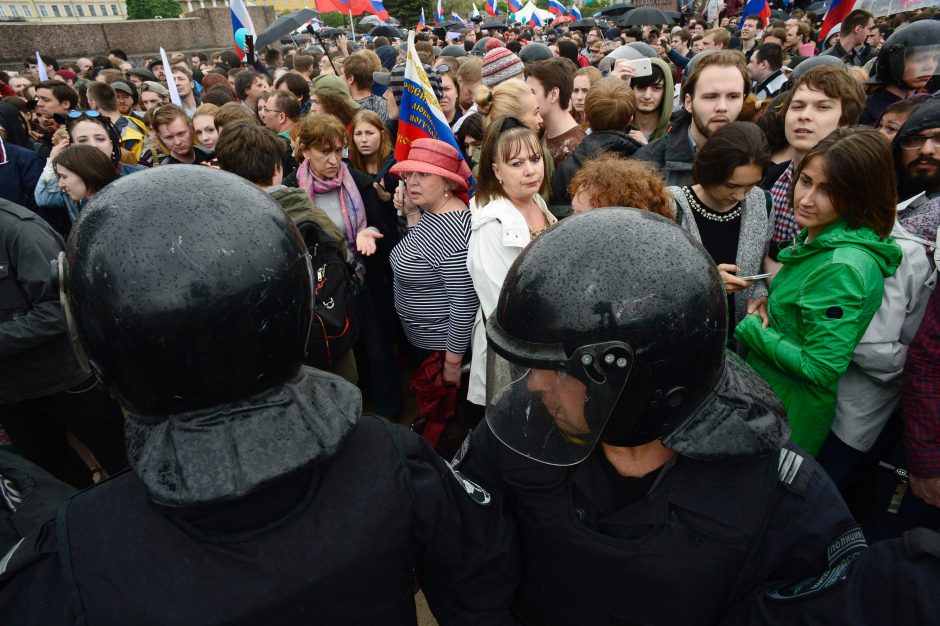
(820, 305)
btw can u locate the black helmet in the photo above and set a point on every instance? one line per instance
(610, 326)
(919, 38)
(186, 287)
(535, 51)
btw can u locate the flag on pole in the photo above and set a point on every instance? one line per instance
(476, 11)
(241, 26)
(556, 7)
(515, 5)
(379, 9)
(439, 12)
(575, 12)
(41, 66)
(420, 114)
(454, 16)
(170, 83)
(836, 13)
(534, 19)
(491, 8)
(759, 7)
(421, 21)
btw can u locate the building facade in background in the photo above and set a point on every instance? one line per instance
(62, 11)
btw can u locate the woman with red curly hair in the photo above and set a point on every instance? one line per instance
(613, 181)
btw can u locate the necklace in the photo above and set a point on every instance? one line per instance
(709, 215)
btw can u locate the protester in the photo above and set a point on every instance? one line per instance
(152, 95)
(178, 140)
(610, 180)
(608, 109)
(370, 151)
(508, 213)
(20, 165)
(331, 96)
(551, 82)
(82, 171)
(204, 126)
(654, 98)
(583, 80)
(831, 282)
(102, 98)
(852, 48)
(713, 96)
(434, 296)
(896, 114)
(729, 213)
(357, 71)
(765, 69)
(449, 96)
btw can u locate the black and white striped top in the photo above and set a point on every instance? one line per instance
(434, 295)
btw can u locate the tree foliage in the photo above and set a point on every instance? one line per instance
(149, 9)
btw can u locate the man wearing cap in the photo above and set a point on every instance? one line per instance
(152, 95)
(136, 76)
(156, 68)
(101, 97)
(126, 97)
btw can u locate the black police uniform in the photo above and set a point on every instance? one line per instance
(257, 492)
(610, 330)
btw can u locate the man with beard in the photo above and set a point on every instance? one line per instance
(917, 163)
(713, 95)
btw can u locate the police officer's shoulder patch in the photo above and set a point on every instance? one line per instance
(841, 552)
(792, 470)
(477, 493)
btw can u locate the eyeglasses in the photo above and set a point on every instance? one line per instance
(267, 110)
(918, 141)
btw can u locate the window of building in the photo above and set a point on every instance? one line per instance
(80, 10)
(114, 10)
(68, 10)
(26, 11)
(92, 10)
(55, 10)
(42, 10)
(3, 12)
(104, 9)
(14, 11)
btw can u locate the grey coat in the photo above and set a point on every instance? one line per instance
(756, 230)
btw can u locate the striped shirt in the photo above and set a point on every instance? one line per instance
(434, 295)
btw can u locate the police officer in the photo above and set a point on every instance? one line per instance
(258, 491)
(647, 469)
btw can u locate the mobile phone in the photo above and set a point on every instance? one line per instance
(642, 67)
(755, 277)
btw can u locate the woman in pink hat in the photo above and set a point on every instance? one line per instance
(434, 295)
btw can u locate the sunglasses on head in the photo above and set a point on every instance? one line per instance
(78, 114)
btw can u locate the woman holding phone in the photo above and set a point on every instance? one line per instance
(831, 284)
(729, 213)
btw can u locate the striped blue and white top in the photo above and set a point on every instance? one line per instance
(434, 295)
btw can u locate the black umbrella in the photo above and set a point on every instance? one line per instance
(331, 32)
(616, 9)
(385, 31)
(283, 25)
(586, 24)
(819, 7)
(370, 20)
(493, 26)
(645, 15)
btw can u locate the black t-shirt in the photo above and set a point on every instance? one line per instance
(202, 158)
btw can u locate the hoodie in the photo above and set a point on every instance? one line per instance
(821, 302)
(665, 110)
(595, 144)
(924, 117)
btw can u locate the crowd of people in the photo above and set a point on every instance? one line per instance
(803, 174)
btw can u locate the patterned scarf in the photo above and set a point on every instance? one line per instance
(350, 201)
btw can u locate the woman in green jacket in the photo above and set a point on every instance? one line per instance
(832, 279)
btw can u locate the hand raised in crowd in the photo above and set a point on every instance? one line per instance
(622, 69)
(366, 241)
(927, 489)
(58, 147)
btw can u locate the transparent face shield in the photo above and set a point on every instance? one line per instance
(921, 64)
(59, 269)
(555, 411)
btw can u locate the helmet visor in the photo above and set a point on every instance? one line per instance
(921, 63)
(556, 415)
(60, 270)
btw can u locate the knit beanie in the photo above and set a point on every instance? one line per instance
(500, 65)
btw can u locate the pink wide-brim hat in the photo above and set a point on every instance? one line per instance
(432, 156)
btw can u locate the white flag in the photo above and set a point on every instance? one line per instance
(43, 74)
(170, 83)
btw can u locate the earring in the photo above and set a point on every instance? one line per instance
(446, 195)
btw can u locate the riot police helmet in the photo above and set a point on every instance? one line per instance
(186, 287)
(609, 327)
(917, 44)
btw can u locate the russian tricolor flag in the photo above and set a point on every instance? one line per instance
(556, 7)
(379, 9)
(421, 21)
(240, 20)
(535, 20)
(575, 12)
(760, 7)
(439, 12)
(514, 5)
(836, 13)
(491, 8)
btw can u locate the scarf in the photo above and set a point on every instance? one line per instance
(350, 201)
